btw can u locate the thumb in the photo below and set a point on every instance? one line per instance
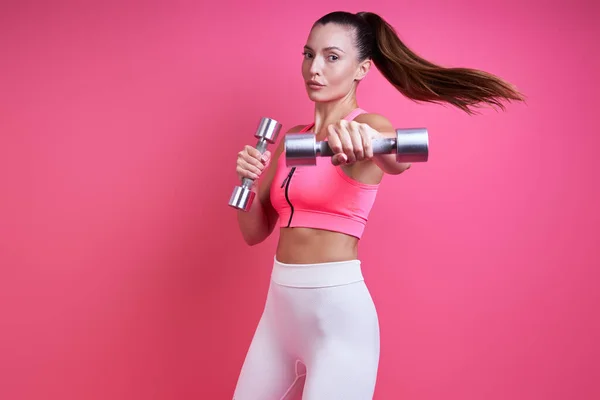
(266, 156)
(339, 159)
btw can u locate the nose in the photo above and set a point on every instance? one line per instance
(316, 66)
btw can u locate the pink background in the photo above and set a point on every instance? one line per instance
(124, 275)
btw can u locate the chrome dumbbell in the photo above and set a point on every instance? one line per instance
(409, 145)
(267, 132)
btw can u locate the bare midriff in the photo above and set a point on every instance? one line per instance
(309, 246)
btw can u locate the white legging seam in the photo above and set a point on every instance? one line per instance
(298, 376)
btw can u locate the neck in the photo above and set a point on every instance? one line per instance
(331, 112)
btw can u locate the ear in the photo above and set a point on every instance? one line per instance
(363, 70)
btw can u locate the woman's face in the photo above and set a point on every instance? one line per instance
(330, 67)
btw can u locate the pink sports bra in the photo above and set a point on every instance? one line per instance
(321, 196)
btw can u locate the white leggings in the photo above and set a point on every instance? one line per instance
(318, 335)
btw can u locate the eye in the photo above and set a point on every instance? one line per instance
(333, 57)
(306, 54)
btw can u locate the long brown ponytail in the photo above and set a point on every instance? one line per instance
(417, 78)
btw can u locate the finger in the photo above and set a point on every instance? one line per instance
(339, 159)
(266, 157)
(357, 140)
(347, 145)
(244, 173)
(333, 139)
(367, 142)
(252, 151)
(251, 168)
(251, 160)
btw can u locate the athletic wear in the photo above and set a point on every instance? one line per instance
(322, 196)
(319, 333)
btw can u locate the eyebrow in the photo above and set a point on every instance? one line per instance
(326, 48)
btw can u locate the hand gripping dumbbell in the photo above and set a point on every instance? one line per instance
(410, 145)
(242, 195)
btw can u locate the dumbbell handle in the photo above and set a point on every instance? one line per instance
(379, 146)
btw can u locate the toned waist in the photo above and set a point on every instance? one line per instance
(308, 245)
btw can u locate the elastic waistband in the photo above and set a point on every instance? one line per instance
(317, 275)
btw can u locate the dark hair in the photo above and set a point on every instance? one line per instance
(415, 77)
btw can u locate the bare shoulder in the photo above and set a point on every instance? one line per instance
(296, 129)
(376, 121)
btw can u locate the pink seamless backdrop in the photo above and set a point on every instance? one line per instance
(123, 274)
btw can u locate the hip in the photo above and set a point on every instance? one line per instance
(327, 297)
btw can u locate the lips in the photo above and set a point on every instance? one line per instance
(315, 86)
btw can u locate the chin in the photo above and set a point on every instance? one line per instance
(318, 97)
(314, 98)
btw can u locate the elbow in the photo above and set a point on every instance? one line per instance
(403, 167)
(396, 169)
(252, 239)
(256, 229)
(388, 164)
(256, 237)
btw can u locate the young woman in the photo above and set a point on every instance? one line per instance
(319, 321)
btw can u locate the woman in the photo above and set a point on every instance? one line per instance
(319, 321)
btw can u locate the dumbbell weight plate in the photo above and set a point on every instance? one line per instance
(301, 149)
(412, 145)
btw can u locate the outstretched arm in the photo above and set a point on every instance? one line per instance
(387, 162)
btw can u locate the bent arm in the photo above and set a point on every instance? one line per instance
(387, 162)
(258, 223)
